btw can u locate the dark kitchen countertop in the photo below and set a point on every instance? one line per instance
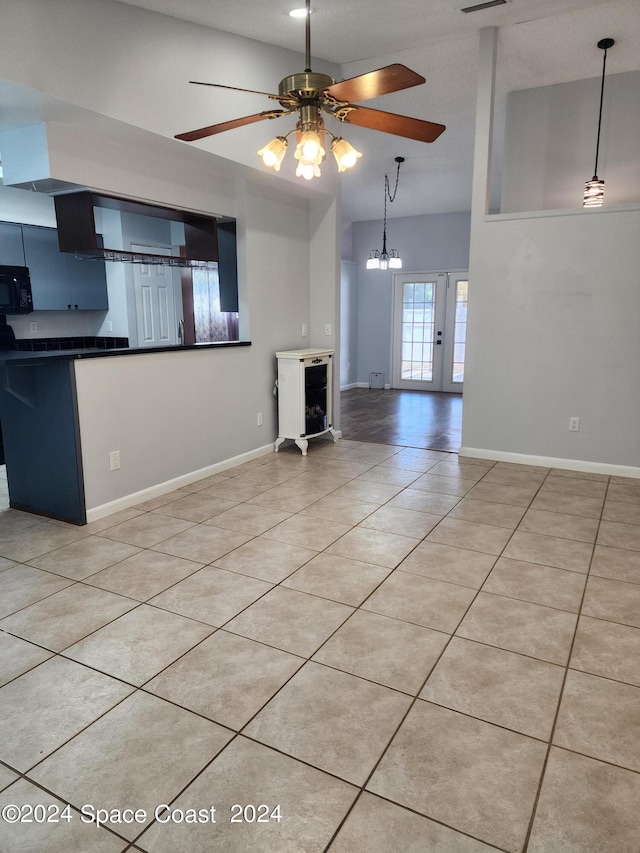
(25, 358)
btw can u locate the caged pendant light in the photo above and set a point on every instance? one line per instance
(594, 189)
(386, 259)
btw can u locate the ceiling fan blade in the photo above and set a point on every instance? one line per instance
(391, 78)
(212, 129)
(411, 128)
(233, 88)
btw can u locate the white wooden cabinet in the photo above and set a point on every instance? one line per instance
(305, 394)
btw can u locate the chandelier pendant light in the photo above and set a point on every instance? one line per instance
(386, 258)
(594, 189)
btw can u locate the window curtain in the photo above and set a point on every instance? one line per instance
(211, 324)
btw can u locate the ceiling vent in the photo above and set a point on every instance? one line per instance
(487, 5)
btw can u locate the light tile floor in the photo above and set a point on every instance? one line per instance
(370, 649)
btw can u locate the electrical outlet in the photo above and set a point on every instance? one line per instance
(33, 326)
(259, 418)
(109, 326)
(574, 424)
(114, 460)
(327, 328)
(304, 330)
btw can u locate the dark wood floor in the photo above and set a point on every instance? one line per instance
(426, 419)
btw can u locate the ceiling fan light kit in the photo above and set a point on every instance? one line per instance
(594, 189)
(309, 94)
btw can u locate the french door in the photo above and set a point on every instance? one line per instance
(429, 330)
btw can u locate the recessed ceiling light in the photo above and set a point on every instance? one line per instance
(299, 13)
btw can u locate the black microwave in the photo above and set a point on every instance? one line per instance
(15, 290)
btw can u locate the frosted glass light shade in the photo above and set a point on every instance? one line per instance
(307, 170)
(273, 153)
(310, 148)
(345, 154)
(593, 193)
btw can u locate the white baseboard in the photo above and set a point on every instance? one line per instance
(552, 462)
(135, 498)
(349, 386)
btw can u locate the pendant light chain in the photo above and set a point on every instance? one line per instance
(604, 66)
(399, 161)
(387, 194)
(386, 259)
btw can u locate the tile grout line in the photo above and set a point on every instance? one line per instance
(562, 688)
(412, 704)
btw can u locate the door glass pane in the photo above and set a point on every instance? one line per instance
(417, 331)
(460, 331)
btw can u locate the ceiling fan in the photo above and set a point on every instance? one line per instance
(310, 94)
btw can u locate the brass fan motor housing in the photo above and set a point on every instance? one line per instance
(307, 84)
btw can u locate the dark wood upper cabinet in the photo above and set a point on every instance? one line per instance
(228, 266)
(77, 228)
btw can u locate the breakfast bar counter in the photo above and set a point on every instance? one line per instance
(63, 413)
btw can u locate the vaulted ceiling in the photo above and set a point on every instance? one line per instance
(542, 42)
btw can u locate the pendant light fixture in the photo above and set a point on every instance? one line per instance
(594, 189)
(386, 259)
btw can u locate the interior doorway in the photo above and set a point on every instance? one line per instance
(429, 331)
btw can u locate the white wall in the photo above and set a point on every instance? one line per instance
(348, 323)
(550, 143)
(426, 243)
(552, 327)
(553, 334)
(324, 279)
(169, 414)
